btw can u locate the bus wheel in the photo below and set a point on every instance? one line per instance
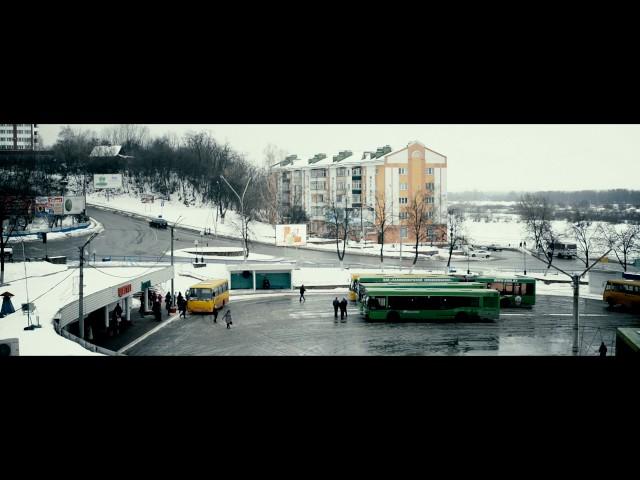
(462, 317)
(611, 304)
(393, 317)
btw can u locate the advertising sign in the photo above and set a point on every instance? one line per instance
(73, 205)
(49, 206)
(108, 180)
(291, 235)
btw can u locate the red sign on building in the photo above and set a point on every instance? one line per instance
(124, 290)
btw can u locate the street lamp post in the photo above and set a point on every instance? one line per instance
(523, 245)
(243, 232)
(173, 296)
(81, 289)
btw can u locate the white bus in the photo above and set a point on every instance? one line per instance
(565, 250)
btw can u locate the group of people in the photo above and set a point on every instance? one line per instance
(342, 305)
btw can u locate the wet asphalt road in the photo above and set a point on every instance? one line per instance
(282, 326)
(130, 236)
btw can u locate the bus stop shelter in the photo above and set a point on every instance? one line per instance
(253, 276)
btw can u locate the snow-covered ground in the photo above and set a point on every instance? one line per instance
(206, 253)
(52, 286)
(94, 227)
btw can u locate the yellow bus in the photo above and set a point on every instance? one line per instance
(203, 297)
(622, 292)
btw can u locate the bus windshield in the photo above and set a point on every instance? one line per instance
(201, 294)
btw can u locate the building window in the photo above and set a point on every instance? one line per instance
(403, 215)
(402, 171)
(429, 171)
(356, 185)
(355, 198)
(403, 200)
(403, 186)
(356, 171)
(318, 173)
(341, 172)
(429, 186)
(403, 232)
(340, 185)
(429, 199)
(339, 198)
(318, 185)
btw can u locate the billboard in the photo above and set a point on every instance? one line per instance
(73, 205)
(49, 206)
(291, 235)
(107, 180)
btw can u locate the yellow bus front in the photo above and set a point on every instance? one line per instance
(204, 297)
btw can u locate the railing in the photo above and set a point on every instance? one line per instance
(53, 230)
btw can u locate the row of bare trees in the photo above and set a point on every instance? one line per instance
(418, 218)
(622, 240)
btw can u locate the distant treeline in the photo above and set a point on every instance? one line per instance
(581, 198)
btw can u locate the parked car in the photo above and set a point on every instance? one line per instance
(158, 223)
(494, 248)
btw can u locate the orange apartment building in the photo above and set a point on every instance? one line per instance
(353, 180)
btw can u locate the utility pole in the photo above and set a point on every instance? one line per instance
(244, 223)
(575, 283)
(173, 297)
(81, 289)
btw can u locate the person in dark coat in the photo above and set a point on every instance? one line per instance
(157, 310)
(215, 314)
(118, 310)
(167, 301)
(178, 298)
(603, 350)
(182, 306)
(302, 290)
(336, 304)
(227, 318)
(343, 308)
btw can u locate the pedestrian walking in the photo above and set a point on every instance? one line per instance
(227, 318)
(343, 308)
(167, 301)
(157, 310)
(302, 290)
(336, 304)
(178, 299)
(215, 314)
(603, 350)
(183, 307)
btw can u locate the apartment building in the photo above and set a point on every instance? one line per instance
(361, 182)
(20, 136)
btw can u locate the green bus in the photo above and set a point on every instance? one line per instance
(357, 279)
(514, 291)
(394, 304)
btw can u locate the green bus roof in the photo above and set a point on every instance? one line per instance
(421, 285)
(504, 279)
(406, 279)
(410, 292)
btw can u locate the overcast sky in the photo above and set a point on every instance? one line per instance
(480, 157)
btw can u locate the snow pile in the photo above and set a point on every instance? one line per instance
(94, 227)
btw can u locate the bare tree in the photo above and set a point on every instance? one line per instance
(417, 218)
(455, 237)
(586, 235)
(339, 221)
(623, 242)
(383, 220)
(273, 155)
(535, 212)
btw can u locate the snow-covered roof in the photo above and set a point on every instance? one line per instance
(105, 151)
